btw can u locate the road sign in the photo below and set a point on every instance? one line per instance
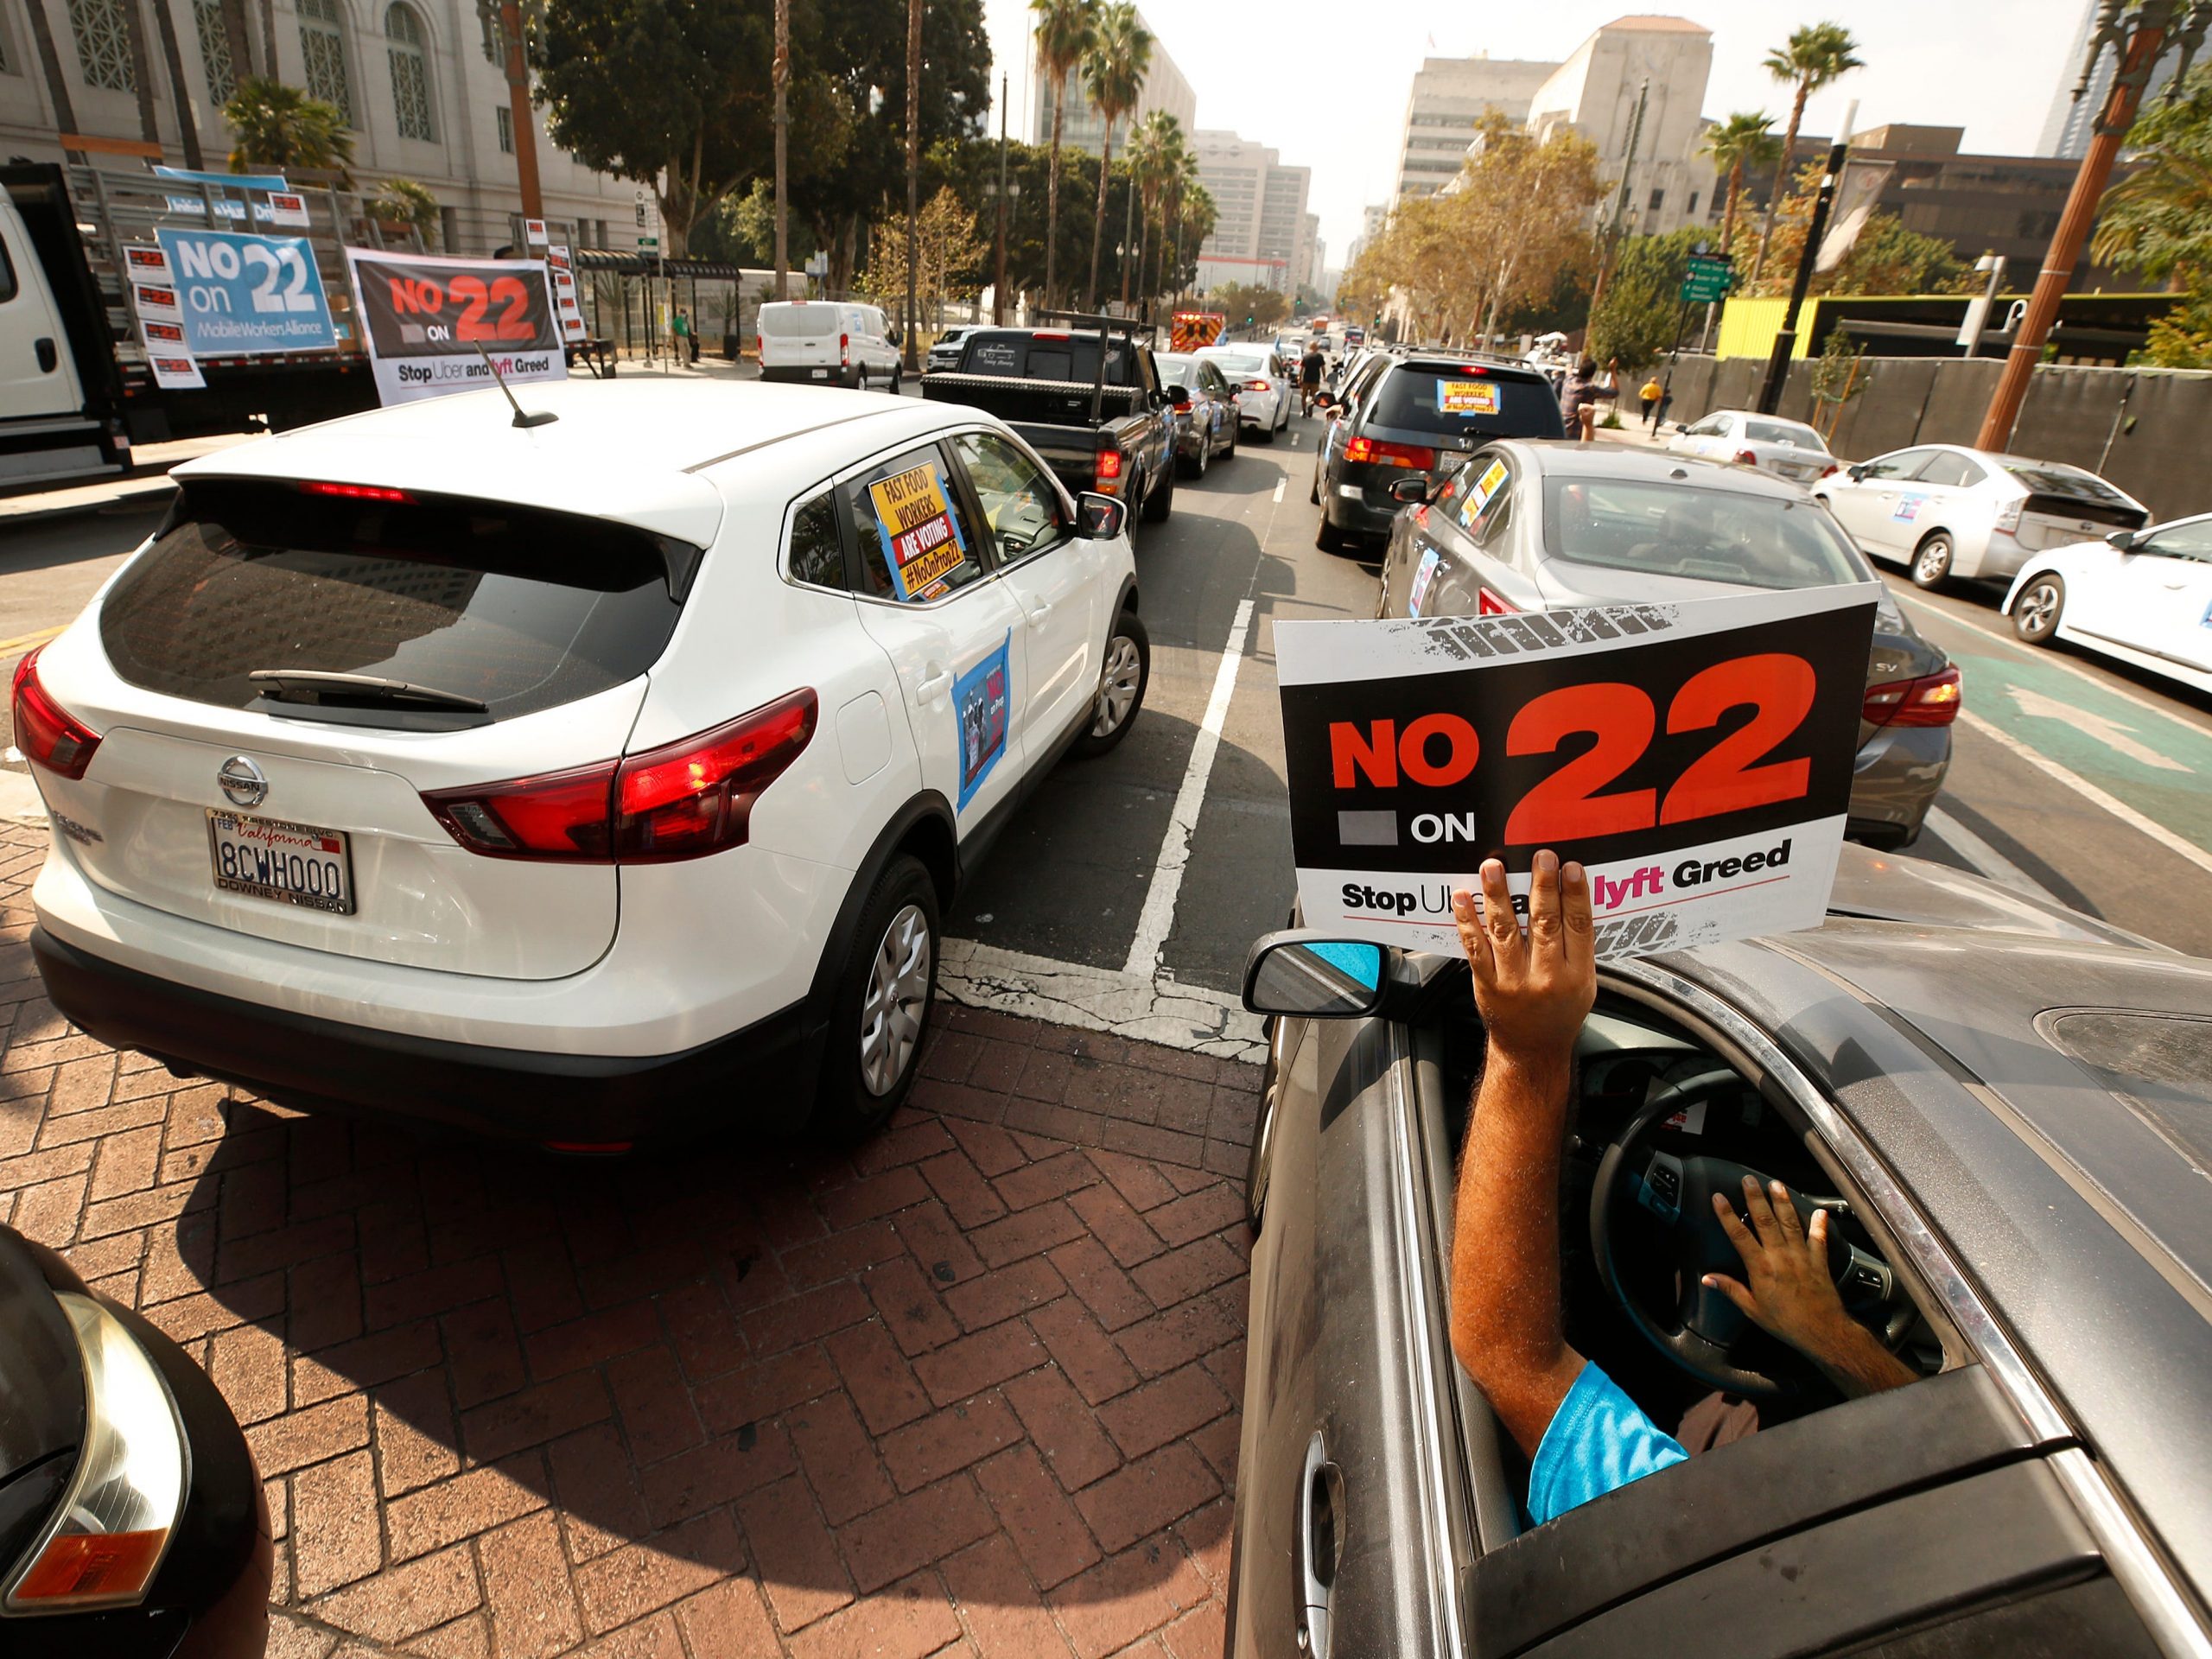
(649, 244)
(1709, 277)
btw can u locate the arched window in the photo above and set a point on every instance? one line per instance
(215, 49)
(103, 44)
(410, 74)
(322, 44)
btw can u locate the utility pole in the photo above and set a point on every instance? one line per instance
(782, 74)
(2139, 34)
(914, 168)
(998, 279)
(1785, 339)
(1612, 238)
(533, 203)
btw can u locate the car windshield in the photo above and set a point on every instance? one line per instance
(1675, 529)
(1465, 398)
(1797, 437)
(2048, 478)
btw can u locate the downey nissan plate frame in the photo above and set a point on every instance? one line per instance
(1695, 756)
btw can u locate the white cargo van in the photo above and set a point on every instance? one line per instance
(827, 342)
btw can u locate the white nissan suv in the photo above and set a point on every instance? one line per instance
(574, 782)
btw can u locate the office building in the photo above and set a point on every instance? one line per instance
(2072, 122)
(1450, 98)
(1262, 227)
(1164, 88)
(1636, 89)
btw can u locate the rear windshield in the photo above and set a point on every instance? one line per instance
(797, 322)
(518, 609)
(1448, 397)
(1022, 358)
(1668, 528)
(1797, 437)
(1238, 364)
(2043, 479)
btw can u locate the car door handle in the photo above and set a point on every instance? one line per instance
(929, 686)
(1042, 610)
(1320, 1537)
(49, 355)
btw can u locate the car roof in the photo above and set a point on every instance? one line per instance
(630, 450)
(1570, 458)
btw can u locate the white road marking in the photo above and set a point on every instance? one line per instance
(1279, 484)
(1986, 861)
(1156, 918)
(2110, 732)
(1150, 1008)
(2088, 791)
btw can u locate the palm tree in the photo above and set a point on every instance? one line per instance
(275, 128)
(1744, 139)
(1151, 156)
(2158, 220)
(1114, 71)
(1064, 30)
(1196, 218)
(1815, 55)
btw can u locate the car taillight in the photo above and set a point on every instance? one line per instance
(1490, 604)
(1109, 471)
(1182, 405)
(682, 800)
(1932, 700)
(1748, 457)
(355, 491)
(45, 731)
(1389, 455)
(112, 1528)
(759, 348)
(845, 351)
(1257, 385)
(2008, 516)
(1830, 470)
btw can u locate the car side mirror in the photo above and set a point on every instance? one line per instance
(1410, 491)
(1308, 976)
(1100, 517)
(1178, 394)
(1857, 471)
(2123, 539)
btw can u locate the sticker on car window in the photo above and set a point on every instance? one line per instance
(1486, 487)
(1423, 574)
(994, 356)
(979, 703)
(1908, 508)
(1467, 397)
(921, 538)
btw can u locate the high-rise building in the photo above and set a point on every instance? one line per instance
(1164, 88)
(2072, 122)
(1262, 232)
(1450, 97)
(1636, 89)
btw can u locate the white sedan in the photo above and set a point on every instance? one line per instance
(1787, 449)
(577, 783)
(2144, 597)
(1943, 510)
(1266, 386)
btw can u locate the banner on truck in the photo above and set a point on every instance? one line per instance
(1695, 756)
(246, 295)
(423, 318)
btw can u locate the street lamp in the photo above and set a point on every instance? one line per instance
(2138, 32)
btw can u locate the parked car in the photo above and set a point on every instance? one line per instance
(132, 1520)
(1421, 415)
(944, 350)
(574, 782)
(1106, 427)
(1206, 412)
(832, 343)
(2142, 597)
(1788, 449)
(2002, 1104)
(1266, 385)
(1943, 510)
(1539, 527)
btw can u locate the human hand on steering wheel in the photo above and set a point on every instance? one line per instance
(1792, 1293)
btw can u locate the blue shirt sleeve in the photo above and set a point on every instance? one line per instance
(1598, 1439)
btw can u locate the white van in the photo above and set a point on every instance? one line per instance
(828, 341)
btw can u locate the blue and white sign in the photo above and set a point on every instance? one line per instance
(980, 702)
(245, 295)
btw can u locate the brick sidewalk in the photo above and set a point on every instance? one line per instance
(972, 1391)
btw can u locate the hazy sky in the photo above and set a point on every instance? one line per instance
(1991, 69)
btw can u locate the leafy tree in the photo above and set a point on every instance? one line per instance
(1887, 258)
(2158, 220)
(1114, 70)
(2183, 338)
(1637, 320)
(1064, 29)
(1744, 139)
(405, 201)
(275, 128)
(1815, 55)
(1254, 303)
(1156, 156)
(951, 257)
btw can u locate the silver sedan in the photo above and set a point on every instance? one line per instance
(1788, 449)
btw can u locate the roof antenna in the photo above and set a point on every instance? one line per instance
(543, 417)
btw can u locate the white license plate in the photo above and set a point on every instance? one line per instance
(292, 863)
(822, 374)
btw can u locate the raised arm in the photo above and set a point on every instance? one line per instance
(1533, 990)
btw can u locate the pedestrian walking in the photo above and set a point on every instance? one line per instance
(1579, 402)
(1650, 395)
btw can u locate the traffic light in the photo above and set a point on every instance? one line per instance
(1247, 319)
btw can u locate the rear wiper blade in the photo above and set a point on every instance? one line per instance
(328, 685)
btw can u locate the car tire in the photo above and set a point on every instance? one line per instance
(2036, 612)
(1230, 453)
(1313, 491)
(1161, 500)
(880, 1016)
(1265, 434)
(898, 380)
(1330, 539)
(1123, 674)
(1931, 561)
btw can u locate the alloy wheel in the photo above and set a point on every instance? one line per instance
(1117, 686)
(1933, 563)
(2036, 612)
(898, 996)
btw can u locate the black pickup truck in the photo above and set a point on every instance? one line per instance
(1088, 399)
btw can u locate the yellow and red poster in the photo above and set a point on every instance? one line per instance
(1467, 397)
(920, 537)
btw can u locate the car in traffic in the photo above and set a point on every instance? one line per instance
(1206, 412)
(578, 783)
(2001, 1102)
(1266, 385)
(827, 343)
(944, 350)
(2143, 597)
(1788, 449)
(133, 1524)
(1422, 416)
(1943, 510)
(1546, 526)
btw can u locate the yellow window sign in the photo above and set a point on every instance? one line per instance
(908, 500)
(1491, 481)
(1467, 397)
(923, 542)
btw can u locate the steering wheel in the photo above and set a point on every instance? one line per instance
(1705, 1327)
